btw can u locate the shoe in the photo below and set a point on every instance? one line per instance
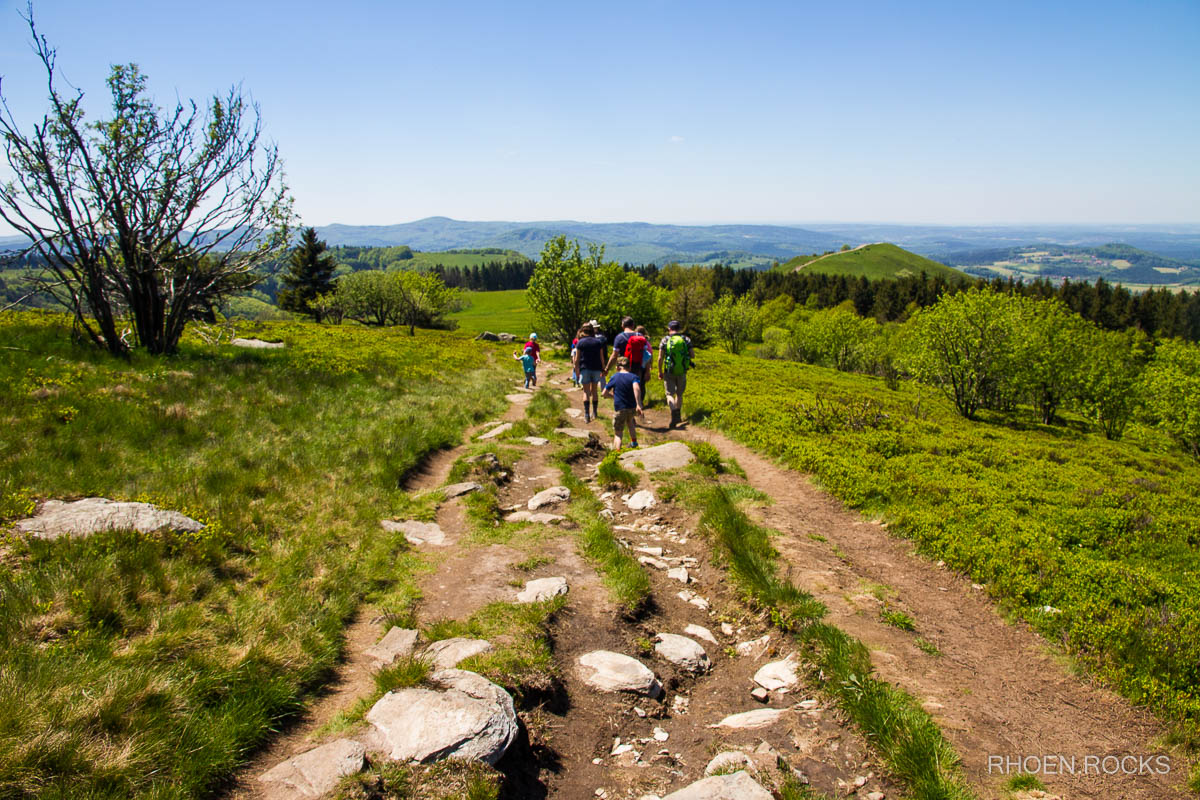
(633, 445)
(586, 418)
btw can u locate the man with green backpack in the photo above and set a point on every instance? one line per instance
(675, 358)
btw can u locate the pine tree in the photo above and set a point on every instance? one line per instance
(310, 273)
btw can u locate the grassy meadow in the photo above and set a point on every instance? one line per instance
(1094, 542)
(874, 261)
(499, 312)
(151, 665)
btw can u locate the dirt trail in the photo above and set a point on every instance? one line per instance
(996, 689)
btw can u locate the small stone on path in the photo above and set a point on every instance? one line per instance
(639, 501)
(540, 517)
(701, 632)
(615, 672)
(653, 562)
(649, 551)
(536, 591)
(537, 441)
(730, 759)
(55, 518)
(518, 398)
(417, 533)
(396, 643)
(760, 694)
(456, 489)
(447, 653)
(749, 720)
(496, 431)
(315, 772)
(683, 652)
(754, 648)
(574, 413)
(678, 574)
(576, 433)
(735, 786)
(546, 497)
(671, 455)
(777, 675)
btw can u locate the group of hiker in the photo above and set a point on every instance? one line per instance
(592, 364)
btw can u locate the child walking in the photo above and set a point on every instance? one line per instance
(529, 363)
(625, 388)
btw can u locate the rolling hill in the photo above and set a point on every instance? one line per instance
(879, 260)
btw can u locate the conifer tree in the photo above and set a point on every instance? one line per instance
(309, 275)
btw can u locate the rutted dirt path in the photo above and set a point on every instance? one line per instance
(998, 690)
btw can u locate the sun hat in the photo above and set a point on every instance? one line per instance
(533, 336)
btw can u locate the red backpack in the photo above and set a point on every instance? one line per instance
(635, 348)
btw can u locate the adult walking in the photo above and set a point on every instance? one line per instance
(675, 358)
(620, 341)
(591, 353)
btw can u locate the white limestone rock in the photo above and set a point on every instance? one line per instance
(519, 397)
(615, 672)
(679, 574)
(465, 717)
(536, 591)
(457, 489)
(640, 501)
(448, 653)
(540, 517)
(778, 675)
(701, 632)
(547, 497)
(750, 720)
(496, 431)
(316, 772)
(735, 786)
(537, 441)
(755, 648)
(396, 643)
(55, 518)
(729, 761)
(683, 652)
(257, 344)
(417, 533)
(671, 455)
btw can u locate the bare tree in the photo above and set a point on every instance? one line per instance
(150, 215)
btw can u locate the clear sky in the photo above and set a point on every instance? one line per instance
(954, 112)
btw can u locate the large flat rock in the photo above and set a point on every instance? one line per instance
(457, 489)
(57, 518)
(549, 497)
(671, 455)
(616, 672)
(750, 720)
(735, 786)
(257, 344)
(496, 431)
(396, 642)
(316, 772)
(463, 716)
(541, 589)
(448, 653)
(778, 674)
(640, 501)
(417, 533)
(540, 517)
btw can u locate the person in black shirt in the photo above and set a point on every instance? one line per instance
(590, 354)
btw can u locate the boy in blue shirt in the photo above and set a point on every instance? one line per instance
(529, 362)
(625, 388)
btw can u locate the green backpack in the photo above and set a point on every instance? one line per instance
(677, 355)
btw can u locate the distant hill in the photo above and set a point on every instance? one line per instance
(632, 242)
(879, 260)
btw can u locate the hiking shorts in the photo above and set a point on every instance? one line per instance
(591, 376)
(623, 419)
(674, 384)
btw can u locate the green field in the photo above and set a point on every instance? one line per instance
(461, 258)
(1093, 542)
(499, 312)
(151, 665)
(875, 261)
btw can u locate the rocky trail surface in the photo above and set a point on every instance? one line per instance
(692, 689)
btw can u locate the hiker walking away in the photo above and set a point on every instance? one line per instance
(590, 354)
(675, 358)
(619, 343)
(574, 363)
(625, 388)
(529, 363)
(647, 358)
(533, 345)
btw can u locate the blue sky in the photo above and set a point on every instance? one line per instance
(789, 112)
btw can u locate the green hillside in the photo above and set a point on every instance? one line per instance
(880, 260)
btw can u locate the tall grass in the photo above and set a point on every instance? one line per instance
(150, 665)
(900, 729)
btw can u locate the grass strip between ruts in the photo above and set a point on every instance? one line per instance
(905, 735)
